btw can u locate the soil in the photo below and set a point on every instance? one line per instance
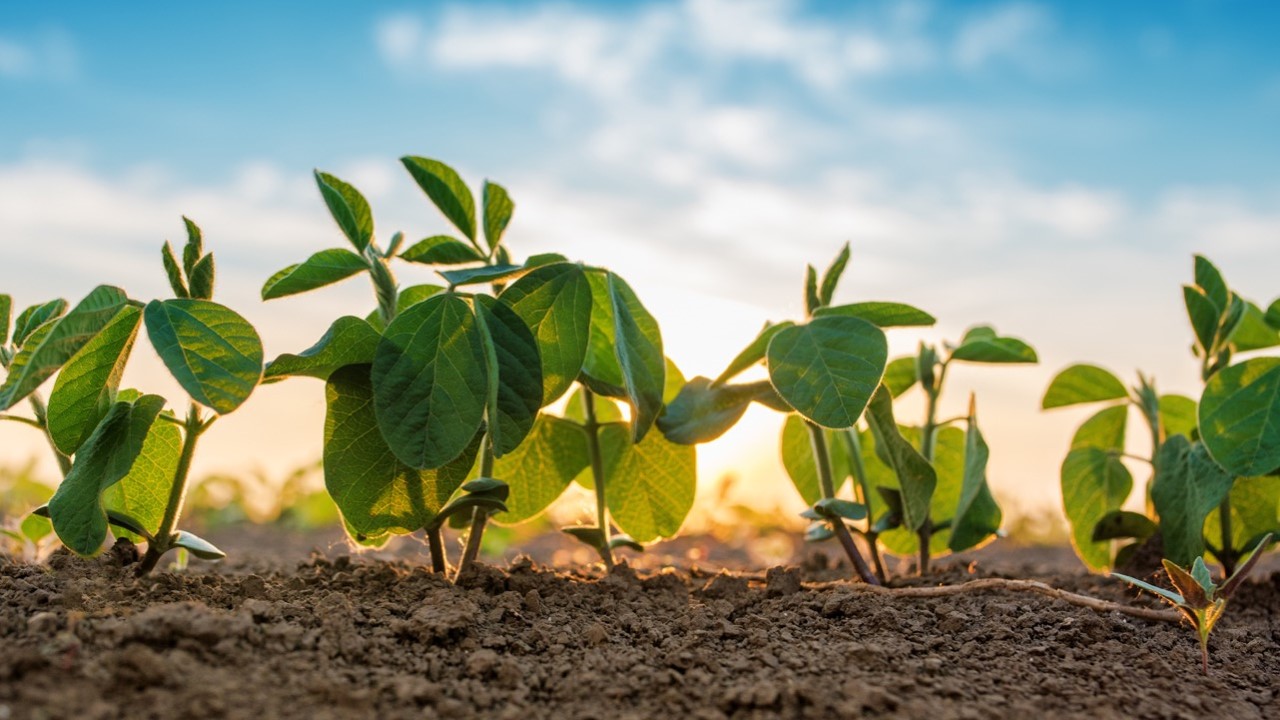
(353, 637)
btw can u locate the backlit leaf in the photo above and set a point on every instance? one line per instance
(900, 375)
(1240, 417)
(1177, 415)
(917, 479)
(323, 268)
(497, 212)
(702, 412)
(1203, 316)
(1094, 483)
(638, 347)
(649, 485)
(348, 341)
(1255, 510)
(1209, 279)
(213, 353)
(143, 493)
(753, 353)
(828, 369)
(831, 277)
(1121, 524)
(542, 466)
(446, 189)
(976, 516)
(1083, 384)
(881, 314)
(798, 460)
(555, 303)
(35, 316)
(349, 209)
(519, 375)
(983, 345)
(85, 388)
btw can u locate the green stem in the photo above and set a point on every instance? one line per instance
(822, 459)
(479, 515)
(435, 542)
(384, 286)
(23, 420)
(854, 447)
(42, 422)
(928, 447)
(194, 428)
(597, 475)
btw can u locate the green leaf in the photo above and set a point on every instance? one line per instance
(976, 516)
(497, 212)
(1122, 524)
(555, 303)
(900, 375)
(828, 369)
(981, 344)
(430, 382)
(213, 353)
(375, 492)
(949, 466)
(1246, 566)
(1240, 417)
(517, 387)
(542, 466)
(1209, 279)
(638, 347)
(441, 250)
(916, 477)
(838, 509)
(6, 318)
(1253, 332)
(811, 300)
(348, 341)
(323, 268)
(35, 527)
(446, 190)
(650, 485)
(881, 314)
(1187, 486)
(797, 459)
(831, 277)
(43, 353)
(1193, 593)
(202, 278)
(1177, 415)
(483, 274)
(194, 249)
(607, 411)
(1172, 597)
(702, 412)
(1255, 510)
(1203, 316)
(35, 316)
(349, 209)
(1104, 430)
(143, 493)
(88, 382)
(753, 353)
(197, 546)
(600, 367)
(1083, 384)
(76, 509)
(1094, 483)
(1272, 316)
(171, 268)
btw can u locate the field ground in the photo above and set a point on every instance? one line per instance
(335, 636)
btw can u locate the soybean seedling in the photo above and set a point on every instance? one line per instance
(1198, 598)
(129, 457)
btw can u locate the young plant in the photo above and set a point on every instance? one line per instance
(128, 457)
(1200, 600)
(439, 376)
(1220, 454)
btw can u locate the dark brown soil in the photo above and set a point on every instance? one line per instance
(363, 637)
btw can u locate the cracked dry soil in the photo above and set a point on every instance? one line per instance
(356, 638)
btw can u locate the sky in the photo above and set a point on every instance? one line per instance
(1046, 167)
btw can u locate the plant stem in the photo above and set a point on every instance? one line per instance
(928, 445)
(854, 446)
(163, 542)
(42, 421)
(435, 543)
(822, 459)
(384, 286)
(597, 475)
(479, 515)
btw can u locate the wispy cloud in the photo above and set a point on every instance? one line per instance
(46, 55)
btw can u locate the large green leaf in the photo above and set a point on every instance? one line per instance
(38, 360)
(430, 381)
(649, 485)
(76, 509)
(497, 212)
(754, 352)
(1255, 510)
(638, 347)
(1240, 417)
(348, 341)
(1083, 384)
(213, 353)
(349, 209)
(323, 268)
(446, 189)
(702, 412)
(1188, 485)
(517, 387)
(828, 369)
(797, 459)
(143, 493)
(542, 467)
(85, 388)
(375, 492)
(441, 250)
(976, 515)
(555, 302)
(917, 479)
(35, 316)
(982, 344)
(881, 314)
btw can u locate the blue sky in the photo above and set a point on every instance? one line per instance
(1045, 166)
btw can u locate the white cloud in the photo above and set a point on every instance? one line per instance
(46, 55)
